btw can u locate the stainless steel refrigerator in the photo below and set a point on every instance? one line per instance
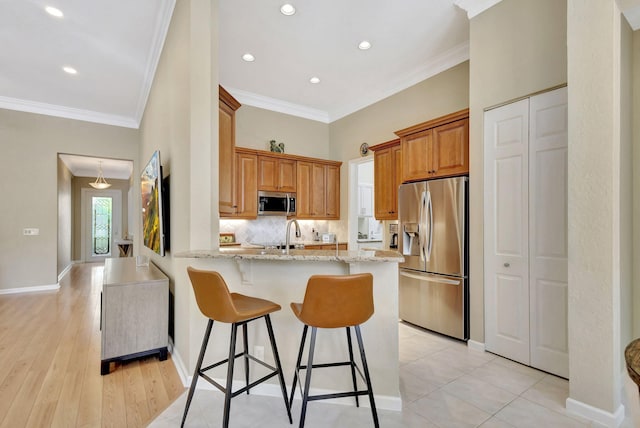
(433, 220)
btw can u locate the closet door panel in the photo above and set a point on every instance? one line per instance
(548, 226)
(506, 231)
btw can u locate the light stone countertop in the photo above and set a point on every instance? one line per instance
(302, 255)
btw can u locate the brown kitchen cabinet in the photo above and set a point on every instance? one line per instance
(246, 185)
(318, 194)
(437, 148)
(276, 174)
(387, 171)
(341, 246)
(227, 106)
(332, 188)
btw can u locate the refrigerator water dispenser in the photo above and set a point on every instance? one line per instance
(411, 241)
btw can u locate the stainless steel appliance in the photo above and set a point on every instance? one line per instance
(433, 219)
(276, 203)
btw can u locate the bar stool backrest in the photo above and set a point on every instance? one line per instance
(212, 295)
(333, 301)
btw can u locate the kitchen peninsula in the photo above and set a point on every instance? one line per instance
(280, 277)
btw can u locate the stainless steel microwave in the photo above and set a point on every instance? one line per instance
(276, 203)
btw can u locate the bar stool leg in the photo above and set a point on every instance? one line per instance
(276, 357)
(228, 392)
(307, 382)
(246, 357)
(353, 369)
(196, 372)
(366, 377)
(295, 372)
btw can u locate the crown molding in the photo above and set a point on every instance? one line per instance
(475, 7)
(280, 106)
(159, 36)
(66, 112)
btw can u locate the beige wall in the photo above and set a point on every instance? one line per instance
(79, 183)
(65, 218)
(626, 186)
(181, 121)
(255, 127)
(29, 189)
(439, 95)
(599, 202)
(517, 48)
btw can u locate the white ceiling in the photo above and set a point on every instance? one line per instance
(115, 46)
(411, 41)
(85, 166)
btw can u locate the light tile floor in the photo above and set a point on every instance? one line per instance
(442, 383)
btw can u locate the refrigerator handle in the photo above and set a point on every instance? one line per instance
(431, 279)
(430, 208)
(421, 228)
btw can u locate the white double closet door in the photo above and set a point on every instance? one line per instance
(525, 236)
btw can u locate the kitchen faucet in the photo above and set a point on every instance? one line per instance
(288, 233)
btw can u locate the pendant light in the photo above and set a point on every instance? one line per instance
(100, 182)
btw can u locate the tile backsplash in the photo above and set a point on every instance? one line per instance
(271, 229)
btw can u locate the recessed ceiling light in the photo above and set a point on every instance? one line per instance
(248, 57)
(314, 80)
(287, 9)
(70, 70)
(364, 45)
(54, 12)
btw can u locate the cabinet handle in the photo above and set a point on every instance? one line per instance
(507, 264)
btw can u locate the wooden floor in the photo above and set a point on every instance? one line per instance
(50, 363)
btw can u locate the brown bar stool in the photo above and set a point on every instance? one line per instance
(335, 301)
(216, 303)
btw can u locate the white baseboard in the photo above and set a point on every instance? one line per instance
(34, 289)
(476, 346)
(64, 271)
(68, 268)
(179, 364)
(607, 419)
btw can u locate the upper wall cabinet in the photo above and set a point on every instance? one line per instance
(437, 148)
(318, 195)
(276, 174)
(316, 183)
(246, 185)
(387, 172)
(227, 106)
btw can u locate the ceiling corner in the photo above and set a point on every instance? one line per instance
(475, 7)
(632, 14)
